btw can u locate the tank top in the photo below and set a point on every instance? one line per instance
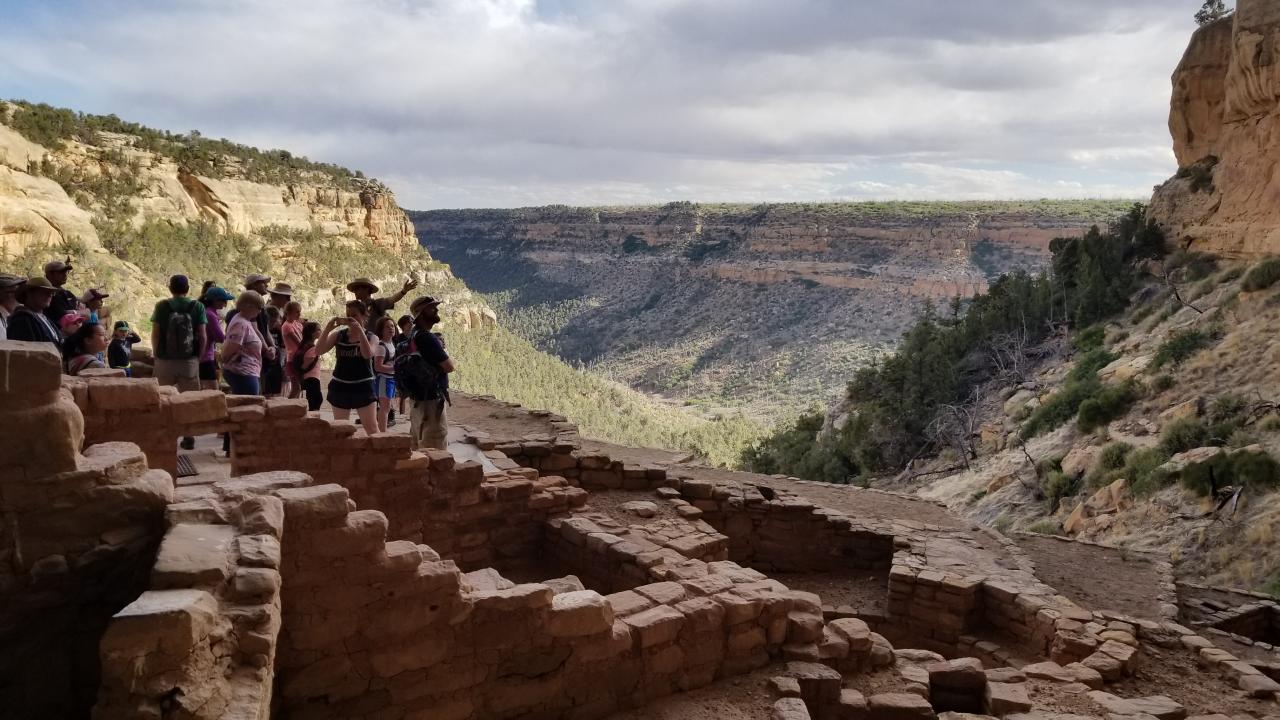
(351, 367)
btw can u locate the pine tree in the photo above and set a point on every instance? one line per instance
(1210, 11)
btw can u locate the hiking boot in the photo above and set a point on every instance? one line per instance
(188, 443)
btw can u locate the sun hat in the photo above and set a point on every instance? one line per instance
(11, 282)
(362, 282)
(421, 304)
(255, 278)
(93, 294)
(39, 283)
(284, 289)
(57, 266)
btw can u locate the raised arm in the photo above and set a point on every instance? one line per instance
(328, 338)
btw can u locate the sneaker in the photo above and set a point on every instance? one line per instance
(188, 443)
(391, 418)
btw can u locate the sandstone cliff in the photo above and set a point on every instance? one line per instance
(1225, 121)
(771, 307)
(99, 194)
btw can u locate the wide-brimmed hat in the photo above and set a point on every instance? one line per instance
(93, 294)
(422, 303)
(11, 282)
(57, 266)
(284, 289)
(255, 278)
(362, 282)
(39, 283)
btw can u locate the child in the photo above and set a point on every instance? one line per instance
(400, 342)
(306, 365)
(120, 351)
(273, 370)
(82, 348)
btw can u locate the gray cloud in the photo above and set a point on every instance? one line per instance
(506, 102)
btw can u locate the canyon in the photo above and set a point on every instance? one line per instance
(770, 307)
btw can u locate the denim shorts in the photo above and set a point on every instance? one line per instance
(385, 386)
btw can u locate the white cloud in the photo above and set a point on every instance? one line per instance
(512, 102)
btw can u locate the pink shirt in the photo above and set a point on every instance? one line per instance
(292, 333)
(249, 360)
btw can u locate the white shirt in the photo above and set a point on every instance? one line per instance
(4, 324)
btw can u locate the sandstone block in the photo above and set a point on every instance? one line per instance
(156, 631)
(663, 593)
(855, 632)
(655, 626)
(203, 406)
(1258, 686)
(819, 684)
(528, 596)
(1158, 706)
(1126, 654)
(258, 550)
(784, 686)
(852, 705)
(255, 583)
(1007, 698)
(739, 609)
(314, 504)
(261, 515)
(583, 612)
(899, 706)
(790, 709)
(1108, 668)
(193, 554)
(964, 674)
(628, 602)
(702, 615)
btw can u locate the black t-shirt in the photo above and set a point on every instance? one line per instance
(431, 350)
(120, 351)
(63, 302)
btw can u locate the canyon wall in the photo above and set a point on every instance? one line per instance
(771, 307)
(1224, 117)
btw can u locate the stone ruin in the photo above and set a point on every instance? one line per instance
(322, 579)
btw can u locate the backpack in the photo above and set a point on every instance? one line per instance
(415, 377)
(179, 336)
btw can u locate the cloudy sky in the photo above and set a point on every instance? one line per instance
(497, 103)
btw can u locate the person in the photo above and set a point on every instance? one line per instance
(214, 299)
(281, 295)
(291, 334)
(29, 321)
(351, 387)
(70, 323)
(120, 350)
(384, 353)
(401, 342)
(9, 287)
(179, 339)
(306, 365)
(273, 369)
(93, 310)
(428, 424)
(241, 355)
(63, 301)
(363, 289)
(82, 348)
(257, 282)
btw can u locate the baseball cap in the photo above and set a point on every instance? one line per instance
(121, 325)
(253, 278)
(217, 293)
(57, 266)
(93, 294)
(69, 321)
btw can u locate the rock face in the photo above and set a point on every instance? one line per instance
(756, 305)
(1225, 121)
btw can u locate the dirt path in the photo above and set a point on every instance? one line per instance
(1097, 577)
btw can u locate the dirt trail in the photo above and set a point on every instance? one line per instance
(1097, 577)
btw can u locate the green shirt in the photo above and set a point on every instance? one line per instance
(160, 321)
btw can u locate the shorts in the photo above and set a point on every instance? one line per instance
(311, 386)
(429, 424)
(209, 370)
(351, 396)
(242, 384)
(184, 373)
(384, 386)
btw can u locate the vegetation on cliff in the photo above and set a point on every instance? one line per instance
(51, 127)
(913, 402)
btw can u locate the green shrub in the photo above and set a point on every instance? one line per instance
(1182, 435)
(1182, 345)
(1111, 402)
(1163, 382)
(1230, 274)
(1089, 338)
(1059, 407)
(976, 496)
(1089, 363)
(1058, 485)
(1045, 527)
(1270, 423)
(1194, 265)
(1002, 523)
(1242, 437)
(1142, 469)
(1142, 312)
(1227, 407)
(1253, 470)
(1262, 276)
(1113, 455)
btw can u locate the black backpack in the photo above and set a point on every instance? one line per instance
(179, 336)
(416, 378)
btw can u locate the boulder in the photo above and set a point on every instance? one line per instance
(1080, 460)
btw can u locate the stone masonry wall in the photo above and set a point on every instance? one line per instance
(377, 629)
(78, 535)
(612, 558)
